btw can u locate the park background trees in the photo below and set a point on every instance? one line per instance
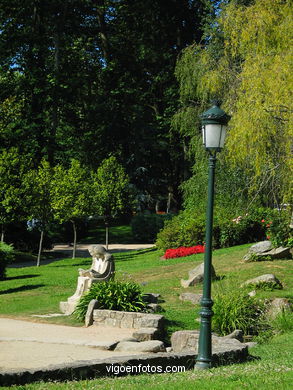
(245, 63)
(85, 80)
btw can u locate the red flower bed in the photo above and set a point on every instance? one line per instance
(183, 251)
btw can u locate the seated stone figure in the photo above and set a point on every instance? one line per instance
(102, 269)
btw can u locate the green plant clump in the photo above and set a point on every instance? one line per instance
(6, 257)
(265, 286)
(112, 295)
(233, 309)
(229, 229)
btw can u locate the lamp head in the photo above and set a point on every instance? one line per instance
(214, 123)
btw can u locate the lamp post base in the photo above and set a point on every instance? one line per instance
(203, 365)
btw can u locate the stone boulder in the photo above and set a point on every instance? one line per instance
(237, 334)
(264, 251)
(267, 278)
(144, 346)
(89, 317)
(195, 276)
(278, 306)
(145, 334)
(191, 297)
(187, 341)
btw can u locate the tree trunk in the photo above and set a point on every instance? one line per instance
(2, 233)
(74, 239)
(107, 234)
(103, 33)
(40, 248)
(169, 203)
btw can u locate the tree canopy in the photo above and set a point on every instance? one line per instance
(247, 63)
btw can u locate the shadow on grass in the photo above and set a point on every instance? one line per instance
(126, 256)
(172, 326)
(21, 288)
(82, 263)
(22, 277)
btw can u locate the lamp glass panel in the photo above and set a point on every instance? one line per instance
(214, 136)
(223, 136)
(203, 135)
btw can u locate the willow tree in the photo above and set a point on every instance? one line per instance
(247, 63)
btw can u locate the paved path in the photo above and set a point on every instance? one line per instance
(30, 345)
(82, 251)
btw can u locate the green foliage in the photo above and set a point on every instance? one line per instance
(112, 295)
(283, 322)
(188, 229)
(38, 190)
(13, 167)
(234, 309)
(70, 192)
(246, 46)
(265, 286)
(110, 191)
(278, 228)
(145, 227)
(184, 229)
(6, 257)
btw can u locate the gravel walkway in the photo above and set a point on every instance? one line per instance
(30, 345)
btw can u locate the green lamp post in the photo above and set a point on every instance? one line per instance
(214, 123)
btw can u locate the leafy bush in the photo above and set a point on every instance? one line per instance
(188, 229)
(278, 230)
(6, 256)
(184, 229)
(145, 227)
(112, 295)
(234, 309)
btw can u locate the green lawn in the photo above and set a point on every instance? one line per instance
(38, 290)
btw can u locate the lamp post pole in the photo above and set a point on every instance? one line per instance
(214, 123)
(204, 357)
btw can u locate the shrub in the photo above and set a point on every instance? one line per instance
(182, 230)
(278, 230)
(234, 309)
(188, 229)
(6, 256)
(145, 227)
(112, 295)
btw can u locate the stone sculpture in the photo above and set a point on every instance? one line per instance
(102, 269)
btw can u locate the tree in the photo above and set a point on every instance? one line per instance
(12, 170)
(110, 191)
(88, 76)
(71, 201)
(246, 63)
(38, 194)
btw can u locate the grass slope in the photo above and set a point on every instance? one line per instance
(32, 290)
(38, 290)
